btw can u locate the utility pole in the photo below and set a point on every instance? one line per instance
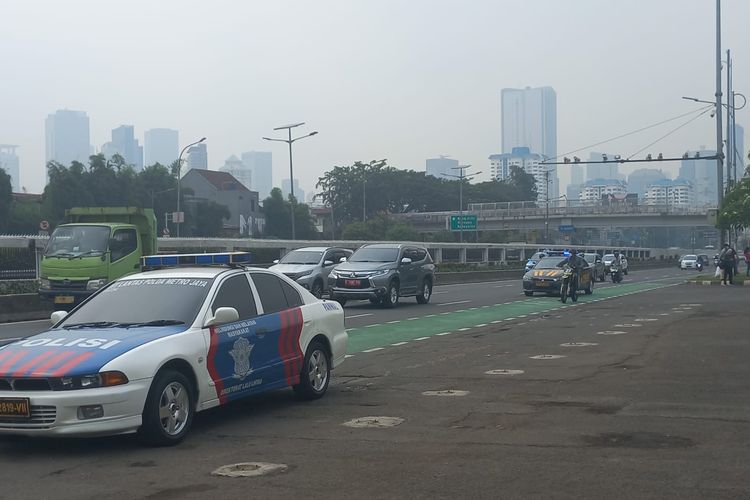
(461, 176)
(719, 138)
(730, 146)
(546, 215)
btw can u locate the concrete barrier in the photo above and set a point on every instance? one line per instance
(23, 307)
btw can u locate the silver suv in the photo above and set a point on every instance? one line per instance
(310, 266)
(382, 273)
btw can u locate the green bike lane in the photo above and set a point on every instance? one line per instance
(398, 332)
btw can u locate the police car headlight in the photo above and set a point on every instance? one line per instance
(305, 273)
(95, 284)
(44, 284)
(93, 381)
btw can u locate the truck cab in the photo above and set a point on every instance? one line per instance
(96, 245)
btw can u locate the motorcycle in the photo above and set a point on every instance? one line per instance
(615, 272)
(569, 286)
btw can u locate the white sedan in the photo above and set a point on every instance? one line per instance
(151, 349)
(689, 262)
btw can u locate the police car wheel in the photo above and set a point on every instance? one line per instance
(316, 372)
(168, 413)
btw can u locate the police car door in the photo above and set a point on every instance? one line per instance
(234, 364)
(282, 324)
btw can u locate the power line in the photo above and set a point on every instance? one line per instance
(671, 132)
(699, 110)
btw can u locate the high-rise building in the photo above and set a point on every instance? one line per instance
(9, 162)
(529, 119)
(239, 171)
(573, 191)
(678, 192)
(197, 157)
(603, 170)
(67, 137)
(740, 155)
(594, 190)
(500, 169)
(639, 180)
(161, 146)
(299, 193)
(126, 145)
(260, 164)
(442, 168)
(702, 175)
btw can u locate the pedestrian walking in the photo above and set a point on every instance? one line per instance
(747, 261)
(727, 262)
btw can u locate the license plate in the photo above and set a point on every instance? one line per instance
(352, 282)
(15, 408)
(542, 284)
(64, 299)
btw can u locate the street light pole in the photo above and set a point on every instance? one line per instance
(719, 138)
(289, 141)
(179, 179)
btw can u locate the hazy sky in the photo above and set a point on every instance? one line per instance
(404, 80)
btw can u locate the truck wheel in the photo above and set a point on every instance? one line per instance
(168, 412)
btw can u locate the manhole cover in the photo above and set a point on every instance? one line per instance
(374, 422)
(578, 344)
(249, 469)
(547, 356)
(611, 332)
(447, 392)
(504, 372)
(628, 325)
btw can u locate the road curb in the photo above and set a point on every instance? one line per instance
(715, 283)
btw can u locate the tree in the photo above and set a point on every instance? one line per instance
(278, 217)
(523, 182)
(209, 219)
(6, 198)
(735, 211)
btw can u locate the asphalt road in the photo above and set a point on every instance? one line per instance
(639, 391)
(446, 299)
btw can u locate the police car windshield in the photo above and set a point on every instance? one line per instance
(374, 255)
(75, 241)
(301, 257)
(551, 263)
(143, 302)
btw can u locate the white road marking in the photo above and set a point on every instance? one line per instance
(444, 333)
(463, 329)
(349, 356)
(360, 315)
(448, 392)
(548, 356)
(399, 343)
(374, 349)
(411, 319)
(480, 325)
(454, 303)
(394, 321)
(12, 339)
(430, 315)
(504, 372)
(370, 326)
(497, 321)
(421, 338)
(611, 332)
(578, 344)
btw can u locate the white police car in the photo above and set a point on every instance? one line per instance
(151, 349)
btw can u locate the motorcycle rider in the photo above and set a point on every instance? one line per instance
(576, 263)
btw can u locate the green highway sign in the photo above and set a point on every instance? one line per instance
(465, 222)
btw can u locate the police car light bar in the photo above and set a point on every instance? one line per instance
(196, 259)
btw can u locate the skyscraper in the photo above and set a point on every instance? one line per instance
(299, 194)
(702, 175)
(260, 164)
(126, 145)
(238, 170)
(67, 137)
(639, 180)
(9, 162)
(441, 168)
(522, 157)
(161, 146)
(529, 119)
(197, 157)
(602, 170)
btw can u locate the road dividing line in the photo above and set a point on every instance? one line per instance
(360, 316)
(480, 325)
(394, 321)
(421, 338)
(454, 303)
(399, 343)
(374, 349)
(442, 334)
(463, 329)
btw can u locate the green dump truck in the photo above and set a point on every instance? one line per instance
(96, 245)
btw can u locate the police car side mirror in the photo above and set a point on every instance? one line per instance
(327, 263)
(342, 259)
(276, 261)
(57, 316)
(223, 315)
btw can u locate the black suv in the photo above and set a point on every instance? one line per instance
(382, 273)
